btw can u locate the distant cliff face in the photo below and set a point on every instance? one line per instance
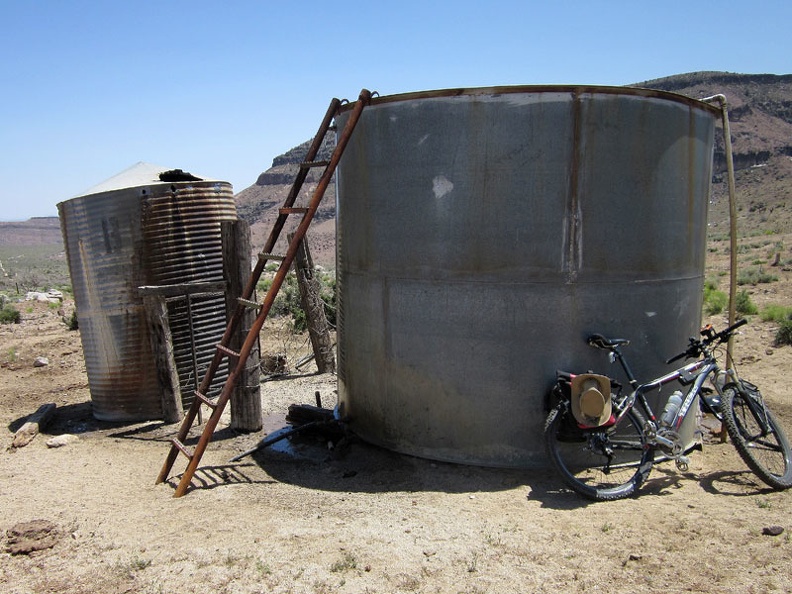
(35, 231)
(259, 203)
(760, 118)
(759, 106)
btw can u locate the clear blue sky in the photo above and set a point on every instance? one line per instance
(221, 88)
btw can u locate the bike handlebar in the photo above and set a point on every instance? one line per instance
(696, 346)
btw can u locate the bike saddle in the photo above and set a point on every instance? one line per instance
(600, 342)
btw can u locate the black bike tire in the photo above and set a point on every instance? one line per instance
(625, 489)
(731, 397)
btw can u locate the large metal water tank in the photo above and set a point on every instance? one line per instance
(484, 233)
(132, 231)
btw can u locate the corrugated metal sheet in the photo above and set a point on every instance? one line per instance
(121, 238)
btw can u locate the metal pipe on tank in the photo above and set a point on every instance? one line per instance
(721, 100)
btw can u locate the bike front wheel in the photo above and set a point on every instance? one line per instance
(602, 464)
(756, 435)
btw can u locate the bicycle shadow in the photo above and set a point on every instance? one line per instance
(737, 483)
(663, 482)
(553, 495)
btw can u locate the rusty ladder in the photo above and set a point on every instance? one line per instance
(237, 360)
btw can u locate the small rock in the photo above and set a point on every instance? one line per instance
(772, 530)
(61, 440)
(635, 557)
(41, 362)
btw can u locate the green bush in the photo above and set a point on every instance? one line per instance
(714, 300)
(776, 313)
(287, 302)
(784, 333)
(10, 315)
(744, 305)
(71, 322)
(755, 276)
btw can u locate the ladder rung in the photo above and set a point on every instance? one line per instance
(309, 164)
(181, 447)
(248, 303)
(275, 257)
(293, 210)
(227, 351)
(205, 399)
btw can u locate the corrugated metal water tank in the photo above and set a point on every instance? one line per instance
(483, 234)
(131, 231)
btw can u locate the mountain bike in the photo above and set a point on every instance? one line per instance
(603, 440)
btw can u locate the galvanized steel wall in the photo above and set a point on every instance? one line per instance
(119, 240)
(484, 233)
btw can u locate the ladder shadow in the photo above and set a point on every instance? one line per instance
(222, 475)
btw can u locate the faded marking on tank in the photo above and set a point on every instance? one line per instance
(441, 186)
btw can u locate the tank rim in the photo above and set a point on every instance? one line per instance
(575, 90)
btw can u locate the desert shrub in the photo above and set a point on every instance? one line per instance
(71, 322)
(714, 300)
(755, 276)
(287, 302)
(776, 313)
(10, 315)
(784, 333)
(744, 305)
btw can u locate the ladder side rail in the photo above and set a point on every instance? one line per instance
(302, 228)
(280, 222)
(252, 336)
(250, 287)
(313, 150)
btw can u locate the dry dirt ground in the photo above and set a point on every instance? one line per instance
(358, 519)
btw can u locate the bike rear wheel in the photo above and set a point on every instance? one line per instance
(756, 435)
(602, 464)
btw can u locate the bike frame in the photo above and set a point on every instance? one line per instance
(697, 372)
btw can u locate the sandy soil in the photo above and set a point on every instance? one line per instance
(305, 518)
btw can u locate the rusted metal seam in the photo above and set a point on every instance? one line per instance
(572, 228)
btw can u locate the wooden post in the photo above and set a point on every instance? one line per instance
(246, 412)
(313, 306)
(162, 347)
